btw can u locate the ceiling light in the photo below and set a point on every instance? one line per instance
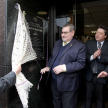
(93, 31)
(91, 25)
(42, 13)
(86, 11)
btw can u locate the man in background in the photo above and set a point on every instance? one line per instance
(65, 65)
(97, 61)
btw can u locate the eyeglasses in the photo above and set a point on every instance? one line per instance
(65, 32)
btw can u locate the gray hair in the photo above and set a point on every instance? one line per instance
(70, 25)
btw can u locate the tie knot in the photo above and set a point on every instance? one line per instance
(99, 43)
(65, 43)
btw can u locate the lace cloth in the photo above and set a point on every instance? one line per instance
(22, 52)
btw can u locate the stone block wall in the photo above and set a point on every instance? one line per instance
(3, 96)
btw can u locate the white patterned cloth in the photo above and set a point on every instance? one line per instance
(22, 52)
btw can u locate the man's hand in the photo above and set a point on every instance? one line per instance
(97, 54)
(58, 69)
(102, 74)
(46, 69)
(17, 68)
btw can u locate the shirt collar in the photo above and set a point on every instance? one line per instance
(101, 43)
(65, 43)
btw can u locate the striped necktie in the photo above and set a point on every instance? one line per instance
(99, 45)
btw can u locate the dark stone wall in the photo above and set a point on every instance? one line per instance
(2, 32)
(3, 96)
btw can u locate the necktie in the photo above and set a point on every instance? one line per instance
(65, 43)
(95, 64)
(99, 45)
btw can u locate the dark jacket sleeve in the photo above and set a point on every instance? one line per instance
(103, 58)
(7, 81)
(88, 55)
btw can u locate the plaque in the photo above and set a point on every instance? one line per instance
(36, 34)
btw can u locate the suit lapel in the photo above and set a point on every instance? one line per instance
(104, 46)
(58, 48)
(94, 45)
(68, 47)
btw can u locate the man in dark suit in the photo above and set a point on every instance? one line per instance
(65, 65)
(97, 61)
(10, 79)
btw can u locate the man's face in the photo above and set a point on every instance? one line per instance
(66, 34)
(100, 35)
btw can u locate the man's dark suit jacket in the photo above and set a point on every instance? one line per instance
(74, 58)
(7, 81)
(91, 47)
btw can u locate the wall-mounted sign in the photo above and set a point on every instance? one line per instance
(36, 34)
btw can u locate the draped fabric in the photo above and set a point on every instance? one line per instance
(22, 52)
